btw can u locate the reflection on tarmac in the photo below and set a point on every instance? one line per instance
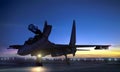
(86, 67)
(38, 69)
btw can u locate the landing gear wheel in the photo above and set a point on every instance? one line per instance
(67, 60)
(39, 61)
(39, 64)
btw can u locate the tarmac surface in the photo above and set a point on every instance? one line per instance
(58, 67)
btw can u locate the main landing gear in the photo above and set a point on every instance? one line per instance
(39, 61)
(67, 60)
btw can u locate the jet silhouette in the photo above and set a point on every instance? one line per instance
(40, 46)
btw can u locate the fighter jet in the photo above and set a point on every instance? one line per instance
(40, 45)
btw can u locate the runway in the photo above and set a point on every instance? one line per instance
(75, 67)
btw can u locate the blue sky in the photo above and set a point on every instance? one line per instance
(97, 21)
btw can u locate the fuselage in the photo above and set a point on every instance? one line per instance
(39, 46)
(43, 47)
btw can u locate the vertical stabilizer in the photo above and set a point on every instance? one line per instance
(73, 35)
(73, 39)
(47, 30)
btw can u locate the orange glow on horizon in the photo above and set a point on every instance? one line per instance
(99, 53)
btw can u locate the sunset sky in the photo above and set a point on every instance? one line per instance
(97, 22)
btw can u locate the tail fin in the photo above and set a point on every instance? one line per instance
(73, 35)
(73, 39)
(47, 29)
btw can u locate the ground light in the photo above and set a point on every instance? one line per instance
(39, 55)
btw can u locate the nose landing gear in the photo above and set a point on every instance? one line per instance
(39, 61)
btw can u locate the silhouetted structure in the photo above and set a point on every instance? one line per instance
(40, 46)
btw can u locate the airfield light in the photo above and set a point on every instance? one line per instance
(39, 55)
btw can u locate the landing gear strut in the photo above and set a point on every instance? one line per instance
(67, 60)
(39, 61)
